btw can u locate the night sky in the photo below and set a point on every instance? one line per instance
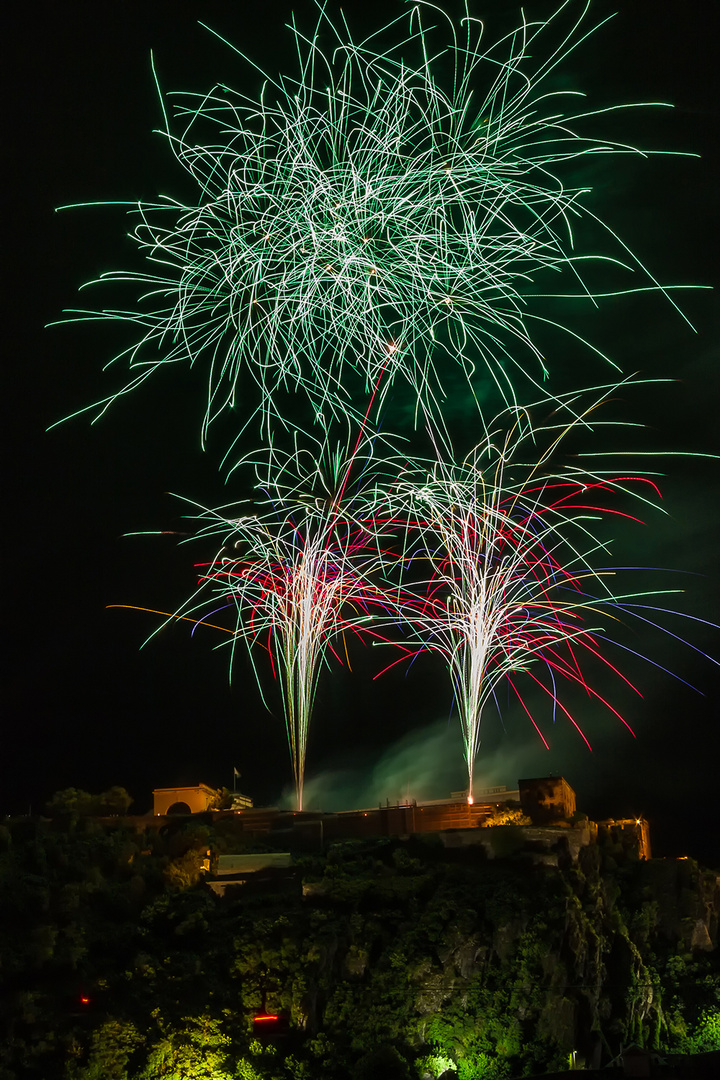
(86, 706)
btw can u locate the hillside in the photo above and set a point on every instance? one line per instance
(382, 957)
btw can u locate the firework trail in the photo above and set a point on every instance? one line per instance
(299, 576)
(514, 583)
(368, 214)
(395, 207)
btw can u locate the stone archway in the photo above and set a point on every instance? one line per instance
(183, 800)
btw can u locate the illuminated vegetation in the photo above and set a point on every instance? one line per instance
(399, 958)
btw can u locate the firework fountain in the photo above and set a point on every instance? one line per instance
(518, 588)
(298, 577)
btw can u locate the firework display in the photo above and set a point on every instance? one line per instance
(298, 578)
(396, 211)
(514, 583)
(371, 213)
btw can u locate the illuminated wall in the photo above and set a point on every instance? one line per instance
(632, 833)
(546, 799)
(196, 798)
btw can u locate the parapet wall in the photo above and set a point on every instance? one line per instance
(196, 799)
(633, 835)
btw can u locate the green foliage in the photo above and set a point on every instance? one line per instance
(247, 1071)
(706, 1034)
(221, 800)
(482, 1066)
(434, 1065)
(111, 1046)
(71, 801)
(113, 802)
(197, 1048)
(382, 1063)
(507, 814)
(186, 871)
(404, 954)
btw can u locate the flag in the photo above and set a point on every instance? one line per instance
(235, 772)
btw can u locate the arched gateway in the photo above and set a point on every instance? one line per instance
(182, 800)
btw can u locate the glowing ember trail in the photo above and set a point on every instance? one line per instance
(299, 578)
(399, 203)
(514, 580)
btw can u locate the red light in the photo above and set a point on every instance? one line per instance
(264, 1017)
(84, 1000)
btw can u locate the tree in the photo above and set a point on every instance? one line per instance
(71, 801)
(221, 800)
(79, 803)
(114, 801)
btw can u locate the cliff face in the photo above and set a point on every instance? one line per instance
(503, 968)
(388, 958)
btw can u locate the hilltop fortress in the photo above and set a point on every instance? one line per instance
(537, 820)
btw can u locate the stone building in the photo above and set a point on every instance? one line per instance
(547, 799)
(183, 800)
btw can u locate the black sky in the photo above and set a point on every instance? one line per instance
(85, 706)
